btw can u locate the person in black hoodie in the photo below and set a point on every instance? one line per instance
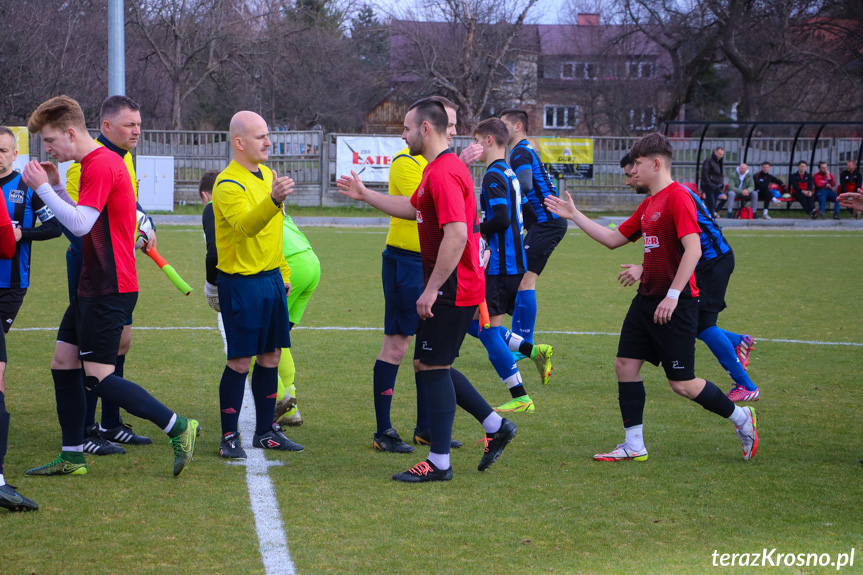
(763, 180)
(713, 178)
(802, 187)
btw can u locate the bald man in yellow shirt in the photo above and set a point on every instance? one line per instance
(254, 280)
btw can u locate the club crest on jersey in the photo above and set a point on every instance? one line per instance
(420, 192)
(650, 242)
(16, 197)
(655, 216)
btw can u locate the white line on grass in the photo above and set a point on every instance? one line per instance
(350, 328)
(272, 539)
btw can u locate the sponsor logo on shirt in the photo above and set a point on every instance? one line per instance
(650, 242)
(419, 217)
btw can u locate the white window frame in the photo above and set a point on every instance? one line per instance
(568, 123)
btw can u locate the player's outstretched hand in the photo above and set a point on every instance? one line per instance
(471, 154)
(664, 311)
(630, 275)
(560, 207)
(352, 186)
(853, 200)
(425, 303)
(281, 187)
(34, 175)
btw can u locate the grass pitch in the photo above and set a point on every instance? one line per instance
(544, 507)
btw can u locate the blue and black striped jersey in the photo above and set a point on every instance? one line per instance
(713, 243)
(25, 208)
(524, 157)
(500, 187)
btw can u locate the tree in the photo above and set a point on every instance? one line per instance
(48, 48)
(191, 40)
(468, 55)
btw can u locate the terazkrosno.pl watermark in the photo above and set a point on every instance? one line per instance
(775, 558)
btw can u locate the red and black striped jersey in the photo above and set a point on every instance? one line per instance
(662, 219)
(445, 195)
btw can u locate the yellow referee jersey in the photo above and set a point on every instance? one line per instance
(248, 223)
(406, 171)
(73, 174)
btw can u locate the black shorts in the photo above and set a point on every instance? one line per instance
(440, 337)
(672, 344)
(500, 292)
(712, 280)
(10, 302)
(94, 325)
(540, 241)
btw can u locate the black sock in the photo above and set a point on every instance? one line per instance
(4, 429)
(383, 383)
(131, 397)
(92, 403)
(71, 404)
(525, 348)
(422, 404)
(468, 398)
(631, 399)
(712, 399)
(111, 411)
(265, 386)
(441, 401)
(517, 391)
(231, 389)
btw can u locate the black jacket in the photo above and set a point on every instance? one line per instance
(713, 171)
(764, 180)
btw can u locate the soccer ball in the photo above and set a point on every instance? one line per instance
(144, 231)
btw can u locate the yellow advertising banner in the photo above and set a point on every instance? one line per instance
(570, 158)
(22, 138)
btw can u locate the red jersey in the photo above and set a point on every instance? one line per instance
(663, 219)
(445, 195)
(109, 247)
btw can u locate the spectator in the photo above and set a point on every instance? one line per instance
(803, 190)
(763, 180)
(713, 178)
(740, 184)
(824, 189)
(850, 180)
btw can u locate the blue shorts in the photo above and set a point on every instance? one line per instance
(254, 312)
(402, 275)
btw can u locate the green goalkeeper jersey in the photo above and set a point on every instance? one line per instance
(293, 240)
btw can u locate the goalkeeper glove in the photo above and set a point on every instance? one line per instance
(212, 294)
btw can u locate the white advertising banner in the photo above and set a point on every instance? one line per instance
(368, 156)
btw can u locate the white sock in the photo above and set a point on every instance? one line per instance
(634, 437)
(78, 448)
(171, 423)
(765, 211)
(2, 480)
(513, 380)
(514, 341)
(739, 417)
(492, 423)
(440, 460)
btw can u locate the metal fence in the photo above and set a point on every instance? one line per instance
(309, 157)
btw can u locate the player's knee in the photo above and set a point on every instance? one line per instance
(626, 369)
(684, 388)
